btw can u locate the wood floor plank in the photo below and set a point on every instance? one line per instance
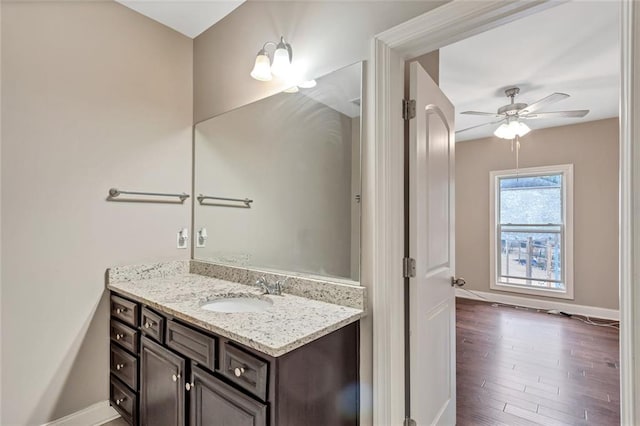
(522, 367)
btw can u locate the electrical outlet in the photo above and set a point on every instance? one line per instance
(182, 238)
(201, 238)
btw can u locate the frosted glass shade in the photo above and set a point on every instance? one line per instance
(262, 68)
(511, 130)
(281, 66)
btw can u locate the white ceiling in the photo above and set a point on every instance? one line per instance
(572, 48)
(188, 17)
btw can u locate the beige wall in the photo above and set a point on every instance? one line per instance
(292, 156)
(592, 148)
(325, 36)
(95, 95)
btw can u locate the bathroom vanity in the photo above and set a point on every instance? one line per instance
(293, 361)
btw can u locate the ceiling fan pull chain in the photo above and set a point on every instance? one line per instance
(517, 155)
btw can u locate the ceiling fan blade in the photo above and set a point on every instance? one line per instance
(479, 125)
(556, 114)
(489, 114)
(555, 97)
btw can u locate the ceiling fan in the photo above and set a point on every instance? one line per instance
(512, 114)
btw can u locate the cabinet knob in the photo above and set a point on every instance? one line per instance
(175, 377)
(148, 324)
(239, 371)
(119, 336)
(120, 401)
(189, 386)
(121, 310)
(119, 366)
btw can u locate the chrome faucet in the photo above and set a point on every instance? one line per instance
(275, 288)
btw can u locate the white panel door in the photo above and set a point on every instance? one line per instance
(431, 244)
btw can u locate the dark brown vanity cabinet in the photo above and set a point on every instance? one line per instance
(162, 385)
(165, 372)
(123, 359)
(213, 402)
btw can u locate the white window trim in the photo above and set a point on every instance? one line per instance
(567, 171)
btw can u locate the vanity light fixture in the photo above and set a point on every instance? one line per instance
(264, 69)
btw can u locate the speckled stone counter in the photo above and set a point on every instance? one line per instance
(291, 322)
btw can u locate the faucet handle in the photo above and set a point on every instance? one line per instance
(262, 283)
(280, 284)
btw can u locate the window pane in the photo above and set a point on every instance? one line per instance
(532, 259)
(531, 199)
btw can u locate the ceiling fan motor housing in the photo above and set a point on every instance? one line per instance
(511, 109)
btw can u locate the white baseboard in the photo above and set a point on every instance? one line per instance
(94, 415)
(570, 308)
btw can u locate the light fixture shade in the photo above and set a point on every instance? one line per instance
(511, 130)
(523, 129)
(281, 66)
(262, 68)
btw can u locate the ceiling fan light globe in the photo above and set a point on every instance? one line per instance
(522, 129)
(504, 132)
(511, 130)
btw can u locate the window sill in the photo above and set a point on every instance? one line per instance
(557, 294)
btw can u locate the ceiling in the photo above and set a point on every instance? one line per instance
(572, 48)
(189, 17)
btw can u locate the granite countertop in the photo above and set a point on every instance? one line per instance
(291, 322)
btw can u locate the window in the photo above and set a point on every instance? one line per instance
(532, 231)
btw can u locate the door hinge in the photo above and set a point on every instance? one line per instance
(408, 421)
(409, 267)
(408, 109)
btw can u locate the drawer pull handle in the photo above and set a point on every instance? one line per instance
(149, 324)
(119, 336)
(119, 367)
(175, 377)
(239, 371)
(189, 386)
(120, 401)
(121, 310)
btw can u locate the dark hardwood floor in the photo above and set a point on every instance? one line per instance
(522, 367)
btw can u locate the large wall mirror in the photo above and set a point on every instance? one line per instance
(277, 182)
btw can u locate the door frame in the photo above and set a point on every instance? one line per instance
(449, 23)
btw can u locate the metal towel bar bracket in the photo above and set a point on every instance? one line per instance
(114, 193)
(247, 202)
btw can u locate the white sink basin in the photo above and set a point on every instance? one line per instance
(238, 304)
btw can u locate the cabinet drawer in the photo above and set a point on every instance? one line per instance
(245, 370)
(124, 401)
(125, 336)
(125, 310)
(124, 366)
(152, 324)
(191, 343)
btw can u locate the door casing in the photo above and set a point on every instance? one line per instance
(452, 22)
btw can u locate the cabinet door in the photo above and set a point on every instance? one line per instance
(214, 403)
(162, 386)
